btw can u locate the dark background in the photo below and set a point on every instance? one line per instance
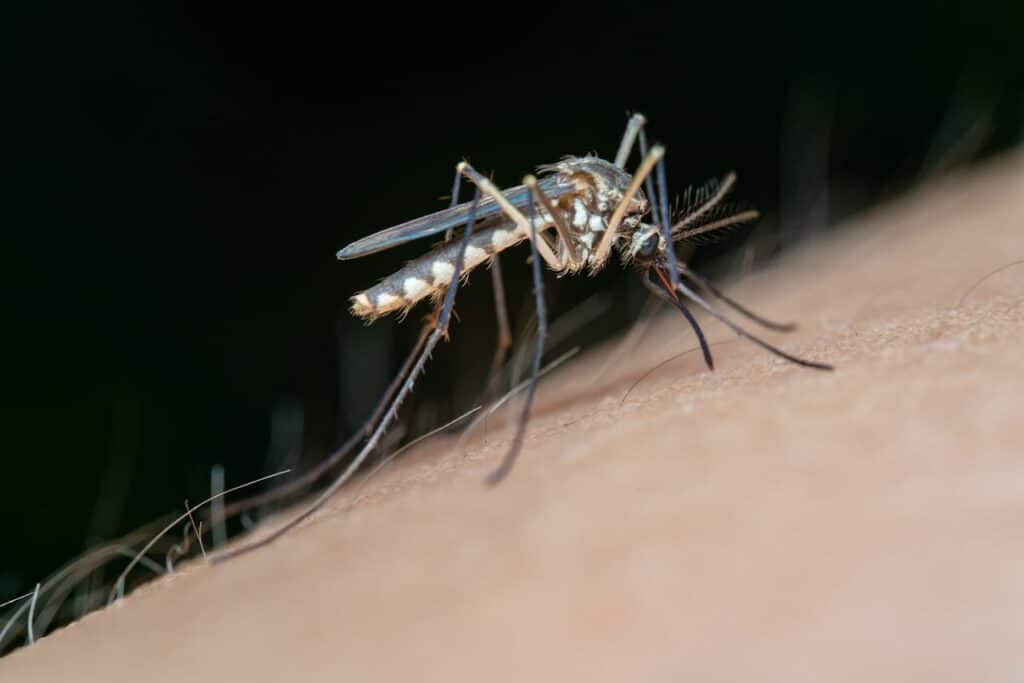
(184, 177)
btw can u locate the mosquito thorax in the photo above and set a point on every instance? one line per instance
(600, 188)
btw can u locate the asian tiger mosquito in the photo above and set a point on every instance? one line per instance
(593, 206)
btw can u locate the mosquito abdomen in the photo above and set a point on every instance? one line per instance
(431, 273)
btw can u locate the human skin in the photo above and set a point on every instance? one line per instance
(761, 522)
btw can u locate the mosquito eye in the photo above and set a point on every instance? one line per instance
(649, 245)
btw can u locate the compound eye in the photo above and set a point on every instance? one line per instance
(649, 245)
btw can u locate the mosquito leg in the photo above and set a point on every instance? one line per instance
(336, 456)
(742, 310)
(604, 247)
(505, 467)
(339, 453)
(696, 298)
(634, 126)
(501, 315)
(526, 226)
(666, 228)
(567, 241)
(439, 331)
(503, 344)
(678, 286)
(667, 297)
(648, 183)
(456, 186)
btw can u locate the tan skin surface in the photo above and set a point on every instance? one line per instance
(762, 522)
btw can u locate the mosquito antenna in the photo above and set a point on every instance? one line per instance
(719, 194)
(440, 330)
(728, 221)
(505, 467)
(696, 298)
(668, 296)
(742, 310)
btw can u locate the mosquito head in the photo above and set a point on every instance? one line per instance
(645, 246)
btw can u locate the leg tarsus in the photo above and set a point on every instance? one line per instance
(708, 308)
(508, 461)
(705, 284)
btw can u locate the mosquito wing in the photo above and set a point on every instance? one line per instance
(440, 221)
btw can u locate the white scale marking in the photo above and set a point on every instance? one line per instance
(500, 238)
(580, 214)
(413, 286)
(442, 271)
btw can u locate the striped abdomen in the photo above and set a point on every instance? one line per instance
(432, 272)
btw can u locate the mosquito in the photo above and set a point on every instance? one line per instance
(579, 212)
(574, 216)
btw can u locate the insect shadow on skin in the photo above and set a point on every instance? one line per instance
(576, 214)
